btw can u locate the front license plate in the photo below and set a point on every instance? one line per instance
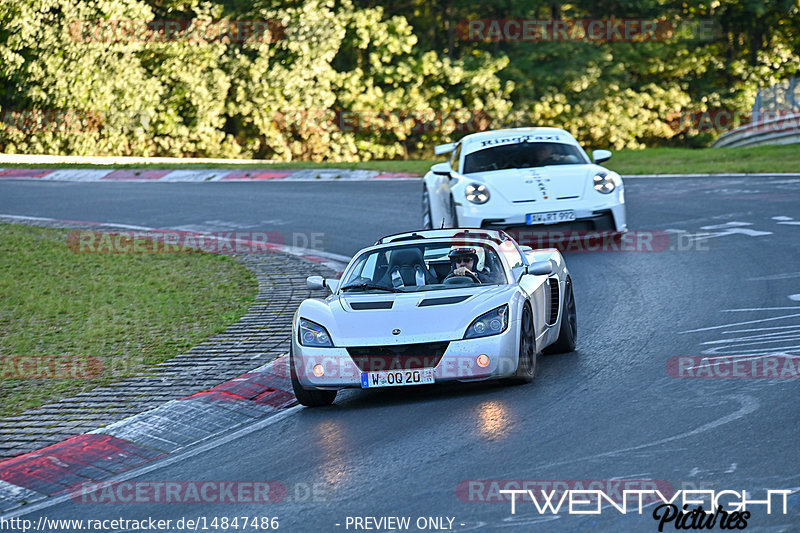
(552, 217)
(396, 378)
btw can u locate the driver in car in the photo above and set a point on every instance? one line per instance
(464, 261)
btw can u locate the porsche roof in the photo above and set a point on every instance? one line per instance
(485, 139)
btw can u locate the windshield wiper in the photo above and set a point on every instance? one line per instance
(370, 286)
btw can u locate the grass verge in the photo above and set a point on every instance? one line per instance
(70, 322)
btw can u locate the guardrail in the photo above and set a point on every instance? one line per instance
(781, 129)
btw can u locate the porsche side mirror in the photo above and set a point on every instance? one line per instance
(601, 155)
(541, 268)
(442, 169)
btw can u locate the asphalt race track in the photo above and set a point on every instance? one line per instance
(728, 284)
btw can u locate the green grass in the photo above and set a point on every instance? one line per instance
(647, 161)
(706, 160)
(112, 314)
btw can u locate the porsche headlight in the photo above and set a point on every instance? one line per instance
(603, 183)
(314, 335)
(477, 193)
(491, 323)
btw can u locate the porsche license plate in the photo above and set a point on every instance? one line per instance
(396, 378)
(551, 217)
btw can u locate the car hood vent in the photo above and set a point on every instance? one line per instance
(364, 306)
(444, 301)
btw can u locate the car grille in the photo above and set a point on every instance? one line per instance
(398, 356)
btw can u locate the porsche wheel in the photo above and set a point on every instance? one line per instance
(309, 398)
(568, 333)
(528, 355)
(427, 220)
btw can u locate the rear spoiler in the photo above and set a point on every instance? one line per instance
(444, 148)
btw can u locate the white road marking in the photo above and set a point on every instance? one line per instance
(740, 323)
(776, 277)
(794, 297)
(759, 309)
(782, 218)
(728, 225)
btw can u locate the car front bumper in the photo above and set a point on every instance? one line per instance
(458, 363)
(607, 216)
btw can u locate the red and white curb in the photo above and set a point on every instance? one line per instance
(128, 445)
(199, 175)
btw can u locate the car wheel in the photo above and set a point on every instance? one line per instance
(568, 332)
(453, 213)
(427, 220)
(309, 398)
(528, 355)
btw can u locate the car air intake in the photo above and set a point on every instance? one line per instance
(443, 301)
(554, 294)
(398, 356)
(363, 306)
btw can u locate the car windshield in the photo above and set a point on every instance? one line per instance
(523, 155)
(425, 267)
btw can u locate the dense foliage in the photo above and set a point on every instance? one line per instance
(361, 79)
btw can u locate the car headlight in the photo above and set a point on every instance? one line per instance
(491, 323)
(477, 193)
(312, 334)
(603, 183)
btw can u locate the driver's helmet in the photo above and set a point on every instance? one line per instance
(461, 251)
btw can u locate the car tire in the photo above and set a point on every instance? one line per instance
(427, 217)
(309, 397)
(453, 213)
(528, 354)
(568, 332)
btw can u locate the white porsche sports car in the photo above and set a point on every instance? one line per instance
(432, 306)
(516, 179)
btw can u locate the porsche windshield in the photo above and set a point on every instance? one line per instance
(425, 267)
(523, 155)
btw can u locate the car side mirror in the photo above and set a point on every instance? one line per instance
(541, 268)
(315, 283)
(318, 283)
(598, 156)
(442, 169)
